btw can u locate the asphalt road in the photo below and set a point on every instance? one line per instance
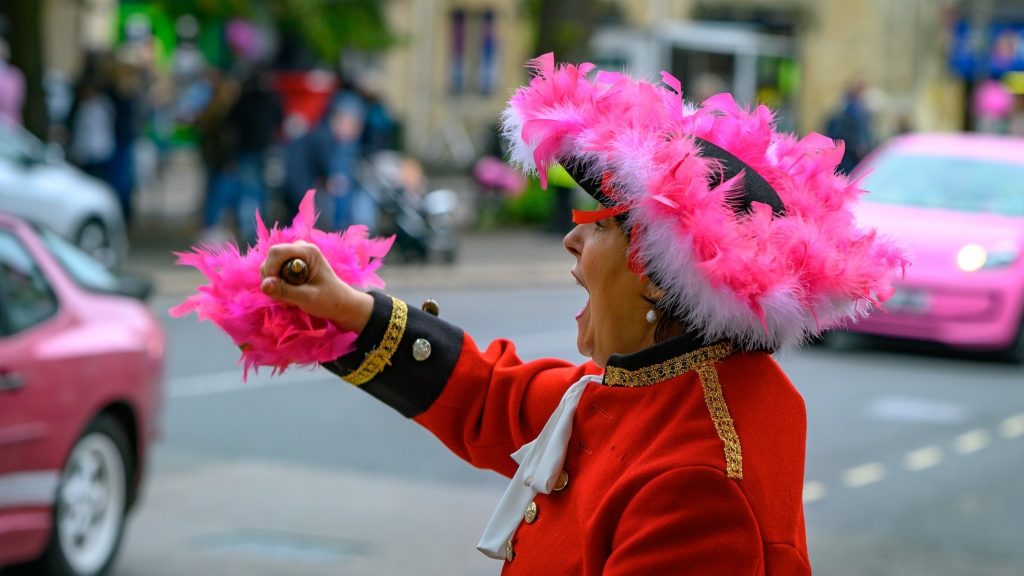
(914, 461)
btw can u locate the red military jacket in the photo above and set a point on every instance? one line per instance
(684, 459)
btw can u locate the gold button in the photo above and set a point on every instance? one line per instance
(421, 349)
(430, 306)
(562, 481)
(531, 513)
(510, 554)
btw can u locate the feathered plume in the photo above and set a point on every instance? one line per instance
(757, 279)
(268, 332)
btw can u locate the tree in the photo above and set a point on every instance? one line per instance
(328, 26)
(24, 34)
(565, 26)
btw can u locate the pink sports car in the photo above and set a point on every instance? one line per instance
(81, 374)
(957, 202)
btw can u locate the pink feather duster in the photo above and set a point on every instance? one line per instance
(271, 333)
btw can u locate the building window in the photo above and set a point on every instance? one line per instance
(474, 52)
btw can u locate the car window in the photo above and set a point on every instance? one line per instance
(83, 269)
(946, 182)
(26, 299)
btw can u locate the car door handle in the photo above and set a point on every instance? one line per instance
(11, 381)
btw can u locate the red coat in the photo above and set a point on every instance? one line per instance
(684, 460)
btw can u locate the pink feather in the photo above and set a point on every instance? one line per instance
(268, 332)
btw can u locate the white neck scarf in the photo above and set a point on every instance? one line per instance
(540, 463)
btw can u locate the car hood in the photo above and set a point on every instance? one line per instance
(934, 237)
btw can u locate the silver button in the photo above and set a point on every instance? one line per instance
(421, 349)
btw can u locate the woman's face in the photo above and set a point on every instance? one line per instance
(614, 319)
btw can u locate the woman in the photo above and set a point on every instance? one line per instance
(679, 447)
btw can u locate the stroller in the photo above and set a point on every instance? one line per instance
(423, 222)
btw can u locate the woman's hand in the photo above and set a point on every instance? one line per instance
(323, 295)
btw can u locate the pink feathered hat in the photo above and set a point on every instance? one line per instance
(748, 231)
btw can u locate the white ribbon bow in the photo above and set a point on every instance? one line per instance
(540, 463)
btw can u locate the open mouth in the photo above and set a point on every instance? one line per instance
(587, 305)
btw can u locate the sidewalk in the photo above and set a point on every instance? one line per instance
(167, 222)
(492, 259)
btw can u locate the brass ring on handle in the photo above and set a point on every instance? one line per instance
(295, 271)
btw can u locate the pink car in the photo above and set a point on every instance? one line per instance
(81, 373)
(957, 202)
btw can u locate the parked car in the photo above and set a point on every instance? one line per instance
(957, 202)
(81, 376)
(37, 184)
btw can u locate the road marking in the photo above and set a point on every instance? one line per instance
(909, 409)
(863, 475)
(919, 459)
(1012, 427)
(972, 441)
(814, 491)
(231, 381)
(923, 458)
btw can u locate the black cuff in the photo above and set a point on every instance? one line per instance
(410, 382)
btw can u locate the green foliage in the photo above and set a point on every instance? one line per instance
(533, 206)
(329, 26)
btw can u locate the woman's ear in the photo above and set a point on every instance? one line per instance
(651, 290)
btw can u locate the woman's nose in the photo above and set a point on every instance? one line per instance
(572, 241)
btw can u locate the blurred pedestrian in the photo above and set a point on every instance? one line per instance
(348, 202)
(992, 106)
(127, 91)
(251, 125)
(679, 446)
(217, 144)
(380, 130)
(307, 156)
(12, 87)
(91, 129)
(851, 122)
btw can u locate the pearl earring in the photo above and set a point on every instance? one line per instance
(652, 316)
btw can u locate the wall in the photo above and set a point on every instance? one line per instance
(440, 126)
(897, 47)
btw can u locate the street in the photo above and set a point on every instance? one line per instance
(913, 460)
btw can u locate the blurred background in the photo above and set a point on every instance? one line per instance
(130, 130)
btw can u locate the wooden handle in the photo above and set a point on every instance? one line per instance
(295, 271)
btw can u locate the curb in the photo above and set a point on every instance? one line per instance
(180, 283)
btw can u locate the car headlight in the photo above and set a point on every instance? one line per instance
(974, 257)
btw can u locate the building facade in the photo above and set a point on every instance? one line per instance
(798, 56)
(457, 61)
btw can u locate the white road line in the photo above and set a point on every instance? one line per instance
(922, 458)
(971, 441)
(221, 382)
(863, 475)
(1012, 427)
(814, 491)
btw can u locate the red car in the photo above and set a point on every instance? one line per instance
(81, 376)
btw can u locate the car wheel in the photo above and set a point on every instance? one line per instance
(93, 238)
(89, 514)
